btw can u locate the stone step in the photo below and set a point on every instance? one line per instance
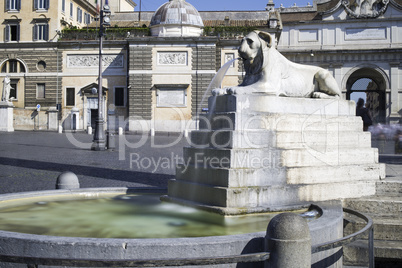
(379, 205)
(279, 122)
(229, 177)
(231, 158)
(317, 140)
(274, 104)
(260, 158)
(277, 175)
(266, 196)
(323, 140)
(312, 157)
(233, 198)
(389, 187)
(385, 228)
(356, 253)
(329, 174)
(233, 139)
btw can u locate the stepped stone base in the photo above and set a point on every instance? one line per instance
(257, 153)
(385, 210)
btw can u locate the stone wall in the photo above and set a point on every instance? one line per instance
(50, 91)
(36, 73)
(139, 93)
(204, 59)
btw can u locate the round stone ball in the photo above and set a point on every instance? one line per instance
(288, 226)
(67, 180)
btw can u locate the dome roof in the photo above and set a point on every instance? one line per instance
(176, 12)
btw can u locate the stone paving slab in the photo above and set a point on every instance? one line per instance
(31, 161)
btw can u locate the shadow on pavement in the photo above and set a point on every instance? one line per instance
(98, 172)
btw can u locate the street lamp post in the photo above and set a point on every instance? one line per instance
(99, 142)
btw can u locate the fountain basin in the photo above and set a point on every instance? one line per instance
(327, 227)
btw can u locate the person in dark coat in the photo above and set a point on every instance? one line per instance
(364, 113)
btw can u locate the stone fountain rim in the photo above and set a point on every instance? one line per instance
(326, 209)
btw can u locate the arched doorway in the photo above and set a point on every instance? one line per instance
(369, 84)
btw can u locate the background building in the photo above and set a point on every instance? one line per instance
(157, 69)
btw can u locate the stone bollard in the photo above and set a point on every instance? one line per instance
(67, 180)
(60, 129)
(120, 131)
(289, 242)
(110, 141)
(89, 130)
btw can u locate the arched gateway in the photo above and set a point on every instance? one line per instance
(370, 83)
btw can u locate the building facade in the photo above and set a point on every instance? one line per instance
(160, 81)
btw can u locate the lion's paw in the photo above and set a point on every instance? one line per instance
(322, 95)
(239, 90)
(219, 91)
(231, 91)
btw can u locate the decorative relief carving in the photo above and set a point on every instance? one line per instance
(230, 57)
(172, 58)
(365, 8)
(366, 33)
(112, 61)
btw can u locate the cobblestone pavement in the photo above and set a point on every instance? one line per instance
(31, 161)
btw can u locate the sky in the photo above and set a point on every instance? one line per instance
(207, 5)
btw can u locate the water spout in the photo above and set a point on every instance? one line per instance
(216, 82)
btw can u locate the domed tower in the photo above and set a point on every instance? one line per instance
(176, 18)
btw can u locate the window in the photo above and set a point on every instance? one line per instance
(119, 96)
(13, 5)
(71, 10)
(70, 96)
(41, 4)
(13, 66)
(12, 32)
(41, 32)
(79, 15)
(40, 91)
(87, 18)
(13, 90)
(63, 6)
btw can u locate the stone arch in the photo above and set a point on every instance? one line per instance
(25, 66)
(372, 82)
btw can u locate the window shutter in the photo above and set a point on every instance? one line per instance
(47, 4)
(7, 33)
(18, 33)
(8, 4)
(35, 32)
(18, 4)
(46, 32)
(36, 4)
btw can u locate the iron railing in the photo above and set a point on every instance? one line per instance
(33, 262)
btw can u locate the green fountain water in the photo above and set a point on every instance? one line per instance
(124, 216)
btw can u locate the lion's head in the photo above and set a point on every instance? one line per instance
(252, 50)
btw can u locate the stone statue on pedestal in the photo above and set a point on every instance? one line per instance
(6, 89)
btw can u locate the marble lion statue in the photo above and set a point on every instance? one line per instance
(269, 72)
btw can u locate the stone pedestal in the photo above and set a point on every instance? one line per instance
(52, 119)
(257, 153)
(6, 116)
